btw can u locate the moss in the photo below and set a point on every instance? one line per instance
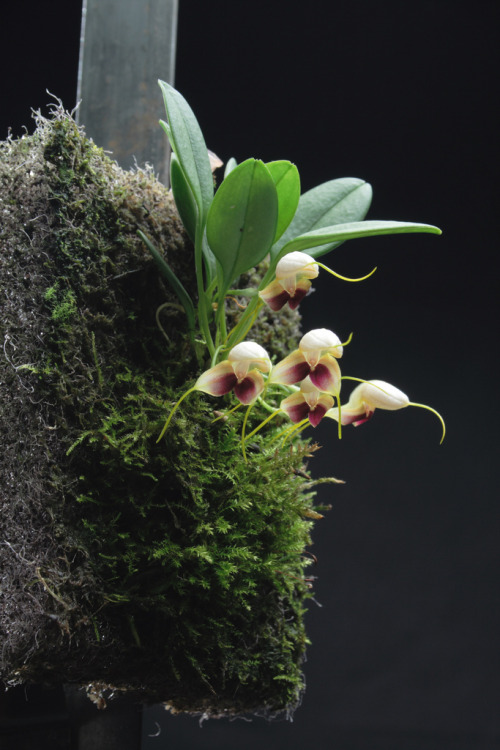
(172, 569)
(63, 304)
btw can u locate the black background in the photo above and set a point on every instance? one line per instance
(404, 648)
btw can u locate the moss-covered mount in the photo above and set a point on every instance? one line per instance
(174, 570)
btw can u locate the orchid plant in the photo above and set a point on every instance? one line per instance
(258, 213)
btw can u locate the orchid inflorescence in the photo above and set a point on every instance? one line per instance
(258, 213)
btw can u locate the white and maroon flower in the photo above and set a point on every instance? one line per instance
(316, 357)
(292, 282)
(365, 398)
(308, 403)
(240, 373)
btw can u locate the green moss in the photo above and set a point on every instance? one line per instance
(62, 303)
(212, 546)
(196, 555)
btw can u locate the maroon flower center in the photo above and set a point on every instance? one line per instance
(322, 378)
(297, 298)
(317, 414)
(246, 390)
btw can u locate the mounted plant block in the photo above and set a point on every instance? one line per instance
(157, 508)
(171, 570)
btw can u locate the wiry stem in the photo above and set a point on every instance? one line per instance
(176, 406)
(263, 424)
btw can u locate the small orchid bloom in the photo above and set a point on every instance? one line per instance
(371, 395)
(316, 357)
(309, 403)
(292, 282)
(293, 274)
(365, 398)
(240, 372)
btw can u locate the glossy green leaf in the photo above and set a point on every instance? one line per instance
(340, 201)
(189, 146)
(184, 200)
(314, 242)
(242, 220)
(172, 279)
(287, 180)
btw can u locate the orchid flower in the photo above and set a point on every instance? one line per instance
(316, 357)
(308, 403)
(293, 274)
(371, 395)
(240, 373)
(293, 280)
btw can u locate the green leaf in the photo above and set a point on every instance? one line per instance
(242, 220)
(338, 201)
(341, 232)
(172, 279)
(189, 146)
(183, 196)
(287, 181)
(231, 164)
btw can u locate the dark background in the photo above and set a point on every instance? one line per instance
(404, 650)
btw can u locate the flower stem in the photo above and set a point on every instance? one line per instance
(263, 423)
(169, 418)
